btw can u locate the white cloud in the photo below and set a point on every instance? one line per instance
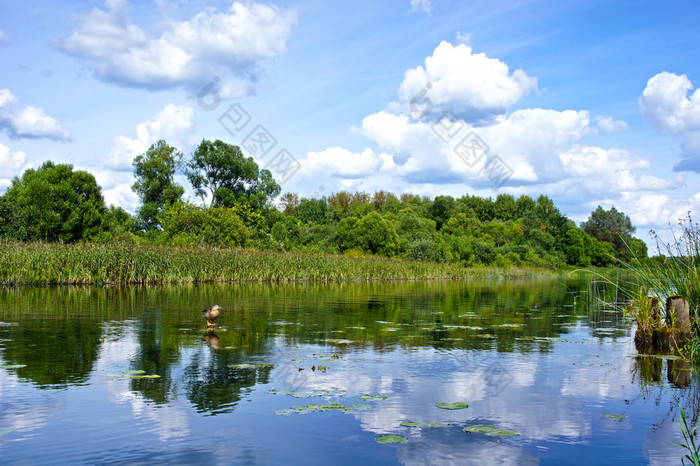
(12, 164)
(189, 53)
(472, 85)
(668, 106)
(421, 5)
(609, 125)
(173, 124)
(4, 38)
(28, 122)
(341, 162)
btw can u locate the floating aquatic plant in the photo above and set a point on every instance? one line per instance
(368, 397)
(615, 417)
(340, 341)
(491, 431)
(424, 424)
(318, 408)
(479, 429)
(248, 366)
(392, 439)
(456, 405)
(307, 392)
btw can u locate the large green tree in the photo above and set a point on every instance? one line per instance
(611, 226)
(52, 203)
(220, 171)
(155, 183)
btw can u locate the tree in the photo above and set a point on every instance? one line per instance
(155, 182)
(610, 226)
(311, 210)
(220, 170)
(289, 202)
(371, 233)
(52, 203)
(505, 207)
(442, 208)
(190, 225)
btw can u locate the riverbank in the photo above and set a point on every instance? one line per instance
(40, 263)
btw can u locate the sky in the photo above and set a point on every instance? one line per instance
(590, 103)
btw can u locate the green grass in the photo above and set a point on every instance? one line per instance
(52, 263)
(676, 271)
(689, 437)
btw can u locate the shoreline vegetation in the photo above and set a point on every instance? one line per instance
(39, 263)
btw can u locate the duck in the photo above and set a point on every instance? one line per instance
(211, 314)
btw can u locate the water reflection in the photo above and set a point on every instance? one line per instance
(542, 357)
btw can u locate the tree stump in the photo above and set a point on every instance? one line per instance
(678, 314)
(652, 303)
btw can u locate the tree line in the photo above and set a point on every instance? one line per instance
(57, 203)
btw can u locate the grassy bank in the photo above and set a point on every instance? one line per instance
(674, 276)
(52, 263)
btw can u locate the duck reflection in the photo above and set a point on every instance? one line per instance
(211, 339)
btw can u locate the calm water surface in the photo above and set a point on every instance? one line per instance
(129, 375)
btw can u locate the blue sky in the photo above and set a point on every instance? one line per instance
(588, 102)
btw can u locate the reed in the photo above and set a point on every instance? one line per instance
(675, 271)
(40, 263)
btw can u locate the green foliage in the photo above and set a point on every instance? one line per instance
(371, 233)
(614, 227)
(52, 203)
(442, 208)
(221, 171)
(155, 184)
(311, 210)
(186, 224)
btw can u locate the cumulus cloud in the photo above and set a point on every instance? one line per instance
(421, 5)
(12, 164)
(471, 85)
(608, 125)
(173, 124)
(187, 54)
(669, 106)
(28, 122)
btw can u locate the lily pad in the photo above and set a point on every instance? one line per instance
(368, 397)
(152, 376)
(456, 405)
(392, 439)
(502, 433)
(491, 431)
(307, 392)
(615, 417)
(424, 424)
(479, 429)
(319, 408)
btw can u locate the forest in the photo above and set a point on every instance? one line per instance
(240, 205)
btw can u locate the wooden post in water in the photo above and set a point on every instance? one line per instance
(652, 302)
(678, 314)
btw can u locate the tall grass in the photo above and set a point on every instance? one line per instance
(52, 263)
(689, 437)
(675, 271)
